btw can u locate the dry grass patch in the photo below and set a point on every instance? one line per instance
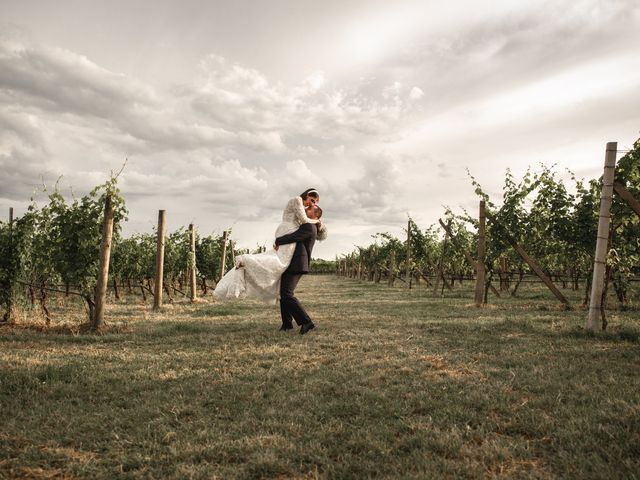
(391, 384)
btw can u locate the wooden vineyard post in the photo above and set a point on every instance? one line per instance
(600, 261)
(627, 197)
(408, 264)
(7, 315)
(532, 264)
(10, 305)
(103, 270)
(480, 268)
(116, 289)
(157, 298)
(192, 263)
(537, 270)
(376, 265)
(232, 247)
(439, 272)
(467, 255)
(224, 253)
(392, 268)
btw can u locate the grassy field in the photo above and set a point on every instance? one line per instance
(392, 384)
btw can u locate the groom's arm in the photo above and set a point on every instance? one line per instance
(305, 231)
(322, 231)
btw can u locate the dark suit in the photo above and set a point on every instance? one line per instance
(290, 308)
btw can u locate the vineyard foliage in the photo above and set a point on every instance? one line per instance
(55, 247)
(555, 223)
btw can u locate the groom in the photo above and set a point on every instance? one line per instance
(304, 238)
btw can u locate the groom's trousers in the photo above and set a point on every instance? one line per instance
(289, 305)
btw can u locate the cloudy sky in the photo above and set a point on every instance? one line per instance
(225, 109)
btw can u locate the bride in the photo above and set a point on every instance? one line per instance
(257, 276)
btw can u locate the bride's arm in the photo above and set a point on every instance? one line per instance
(295, 204)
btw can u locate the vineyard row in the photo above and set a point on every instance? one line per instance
(541, 230)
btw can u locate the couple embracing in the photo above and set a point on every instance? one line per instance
(274, 274)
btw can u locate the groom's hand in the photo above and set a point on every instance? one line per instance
(275, 247)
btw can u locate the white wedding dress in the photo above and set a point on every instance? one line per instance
(259, 278)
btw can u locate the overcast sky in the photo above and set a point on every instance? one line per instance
(226, 109)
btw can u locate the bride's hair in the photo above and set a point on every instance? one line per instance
(310, 192)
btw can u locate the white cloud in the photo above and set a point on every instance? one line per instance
(338, 151)
(185, 142)
(315, 81)
(392, 131)
(229, 95)
(416, 93)
(72, 89)
(63, 81)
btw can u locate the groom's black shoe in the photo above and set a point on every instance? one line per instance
(284, 328)
(306, 327)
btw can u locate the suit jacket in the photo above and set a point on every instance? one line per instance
(304, 238)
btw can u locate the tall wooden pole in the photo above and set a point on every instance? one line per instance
(600, 261)
(408, 265)
(103, 270)
(224, 253)
(157, 298)
(480, 269)
(192, 266)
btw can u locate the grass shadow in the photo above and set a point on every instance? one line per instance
(225, 310)
(615, 334)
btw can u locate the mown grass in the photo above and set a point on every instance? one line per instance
(392, 384)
